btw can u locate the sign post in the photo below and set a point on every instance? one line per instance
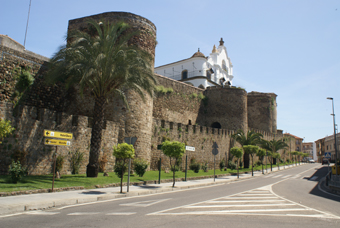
(159, 147)
(328, 155)
(214, 152)
(56, 138)
(131, 141)
(190, 148)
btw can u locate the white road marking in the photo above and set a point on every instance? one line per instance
(121, 213)
(84, 213)
(277, 176)
(41, 213)
(286, 176)
(244, 201)
(144, 203)
(243, 204)
(313, 178)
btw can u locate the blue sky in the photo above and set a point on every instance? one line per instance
(289, 47)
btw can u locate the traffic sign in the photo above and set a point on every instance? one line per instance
(58, 134)
(215, 145)
(190, 148)
(215, 151)
(57, 142)
(328, 155)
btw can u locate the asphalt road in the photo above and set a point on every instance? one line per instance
(289, 198)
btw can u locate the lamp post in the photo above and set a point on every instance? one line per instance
(335, 147)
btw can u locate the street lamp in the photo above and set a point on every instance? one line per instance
(335, 147)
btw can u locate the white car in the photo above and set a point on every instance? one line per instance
(311, 161)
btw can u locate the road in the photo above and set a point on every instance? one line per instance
(289, 198)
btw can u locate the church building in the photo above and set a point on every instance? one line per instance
(201, 71)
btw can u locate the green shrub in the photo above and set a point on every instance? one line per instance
(195, 167)
(201, 96)
(59, 163)
(288, 160)
(140, 166)
(193, 95)
(205, 167)
(120, 167)
(16, 171)
(231, 165)
(222, 164)
(75, 161)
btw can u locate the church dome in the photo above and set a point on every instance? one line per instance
(198, 54)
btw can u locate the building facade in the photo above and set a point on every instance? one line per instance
(201, 71)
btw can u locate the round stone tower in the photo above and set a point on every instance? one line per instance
(137, 120)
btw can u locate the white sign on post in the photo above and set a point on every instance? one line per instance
(190, 148)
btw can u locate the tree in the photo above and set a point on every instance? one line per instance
(273, 146)
(295, 153)
(261, 153)
(277, 156)
(174, 150)
(122, 152)
(238, 153)
(102, 64)
(251, 150)
(251, 138)
(5, 129)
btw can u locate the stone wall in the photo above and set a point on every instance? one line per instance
(226, 106)
(13, 58)
(30, 123)
(200, 137)
(262, 112)
(182, 105)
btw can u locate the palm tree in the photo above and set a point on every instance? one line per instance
(102, 64)
(251, 138)
(273, 146)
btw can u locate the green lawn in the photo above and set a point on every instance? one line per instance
(45, 181)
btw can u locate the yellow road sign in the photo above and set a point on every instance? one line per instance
(57, 142)
(58, 134)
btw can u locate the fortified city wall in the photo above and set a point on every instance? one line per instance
(186, 114)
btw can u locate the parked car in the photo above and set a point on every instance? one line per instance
(325, 161)
(311, 161)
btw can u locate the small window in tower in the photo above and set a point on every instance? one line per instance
(184, 74)
(224, 66)
(209, 74)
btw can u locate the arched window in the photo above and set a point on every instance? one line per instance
(184, 74)
(224, 65)
(216, 125)
(209, 74)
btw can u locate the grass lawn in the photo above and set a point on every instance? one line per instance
(45, 181)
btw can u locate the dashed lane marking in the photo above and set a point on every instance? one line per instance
(41, 213)
(121, 213)
(143, 203)
(84, 213)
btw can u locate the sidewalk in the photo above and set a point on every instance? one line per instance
(22, 203)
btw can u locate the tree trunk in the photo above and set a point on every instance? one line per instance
(173, 173)
(246, 161)
(252, 166)
(237, 168)
(96, 137)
